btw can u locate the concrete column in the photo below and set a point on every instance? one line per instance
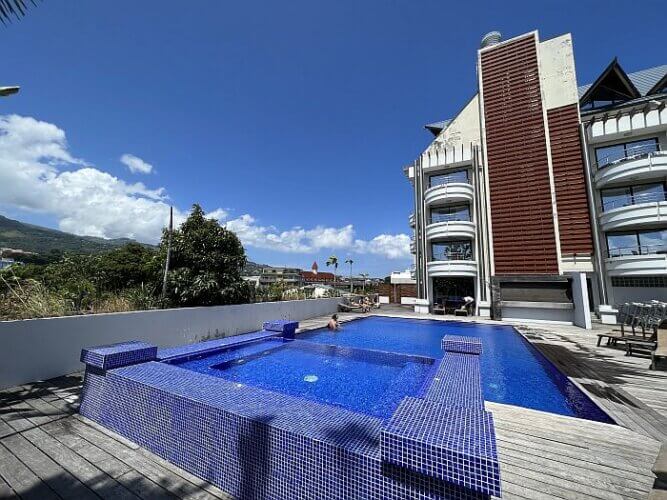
(582, 310)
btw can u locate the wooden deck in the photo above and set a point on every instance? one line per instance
(48, 451)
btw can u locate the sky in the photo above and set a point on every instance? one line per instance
(290, 122)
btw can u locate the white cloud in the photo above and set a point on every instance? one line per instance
(136, 164)
(299, 240)
(38, 173)
(391, 246)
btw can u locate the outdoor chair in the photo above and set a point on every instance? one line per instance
(660, 350)
(633, 316)
(439, 307)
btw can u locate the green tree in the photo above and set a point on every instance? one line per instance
(12, 9)
(129, 266)
(206, 264)
(333, 261)
(350, 261)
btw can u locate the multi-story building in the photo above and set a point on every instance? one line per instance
(541, 199)
(288, 276)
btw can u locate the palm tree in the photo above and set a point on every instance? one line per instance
(333, 261)
(350, 261)
(13, 8)
(363, 283)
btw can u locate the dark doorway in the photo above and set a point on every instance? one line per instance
(449, 292)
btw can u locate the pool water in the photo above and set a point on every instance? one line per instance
(369, 382)
(513, 371)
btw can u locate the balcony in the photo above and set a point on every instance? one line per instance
(444, 268)
(642, 260)
(636, 164)
(413, 247)
(633, 212)
(450, 229)
(455, 192)
(411, 220)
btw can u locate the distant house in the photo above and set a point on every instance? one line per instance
(5, 263)
(314, 276)
(286, 275)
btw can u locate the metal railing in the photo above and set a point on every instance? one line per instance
(629, 153)
(452, 256)
(456, 217)
(448, 179)
(637, 250)
(634, 199)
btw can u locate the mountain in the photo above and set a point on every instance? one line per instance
(253, 269)
(42, 240)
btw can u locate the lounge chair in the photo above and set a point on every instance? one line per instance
(660, 350)
(634, 316)
(350, 307)
(439, 307)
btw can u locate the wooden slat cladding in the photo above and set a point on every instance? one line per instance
(568, 166)
(524, 241)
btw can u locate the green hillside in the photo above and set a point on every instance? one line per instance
(42, 240)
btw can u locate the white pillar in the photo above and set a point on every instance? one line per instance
(582, 310)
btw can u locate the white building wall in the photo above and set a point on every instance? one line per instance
(557, 73)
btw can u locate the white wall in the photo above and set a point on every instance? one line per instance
(582, 311)
(622, 294)
(39, 349)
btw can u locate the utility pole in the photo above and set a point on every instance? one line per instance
(166, 262)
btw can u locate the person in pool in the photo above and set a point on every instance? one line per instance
(333, 322)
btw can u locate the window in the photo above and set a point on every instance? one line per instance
(633, 195)
(637, 243)
(622, 244)
(640, 282)
(453, 213)
(452, 250)
(607, 155)
(448, 178)
(653, 241)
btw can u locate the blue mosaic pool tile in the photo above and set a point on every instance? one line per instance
(254, 443)
(211, 345)
(285, 327)
(260, 444)
(457, 382)
(450, 443)
(111, 356)
(459, 343)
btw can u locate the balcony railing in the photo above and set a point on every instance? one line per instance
(637, 250)
(634, 199)
(452, 256)
(448, 179)
(629, 153)
(435, 218)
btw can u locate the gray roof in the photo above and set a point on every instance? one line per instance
(439, 125)
(644, 80)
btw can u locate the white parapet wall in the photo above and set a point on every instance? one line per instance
(39, 349)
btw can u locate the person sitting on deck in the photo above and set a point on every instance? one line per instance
(366, 305)
(333, 322)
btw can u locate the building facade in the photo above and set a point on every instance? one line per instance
(542, 199)
(287, 276)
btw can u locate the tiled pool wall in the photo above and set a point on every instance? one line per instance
(255, 443)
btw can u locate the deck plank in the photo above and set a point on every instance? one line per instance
(542, 455)
(58, 479)
(22, 480)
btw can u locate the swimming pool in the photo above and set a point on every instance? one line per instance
(513, 371)
(359, 380)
